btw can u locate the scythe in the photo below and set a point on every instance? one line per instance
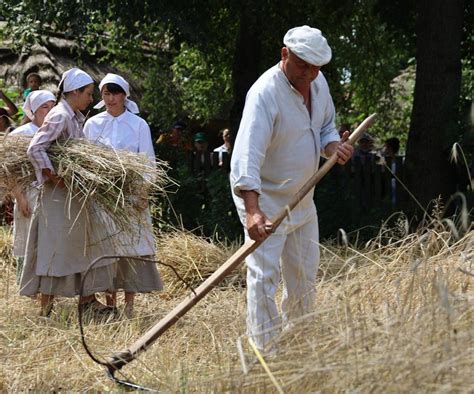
(118, 359)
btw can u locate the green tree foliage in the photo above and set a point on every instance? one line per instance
(197, 59)
(186, 50)
(203, 86)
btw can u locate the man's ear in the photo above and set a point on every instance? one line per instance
(284, 53)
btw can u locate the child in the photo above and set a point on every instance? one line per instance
(33, 82)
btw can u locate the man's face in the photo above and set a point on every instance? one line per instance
(175, 136)
(298, 72)
(200, 146)
(365, 145)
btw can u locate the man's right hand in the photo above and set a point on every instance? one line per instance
(258, 225)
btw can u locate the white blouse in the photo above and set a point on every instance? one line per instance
(28, 129)
(125, 132)
(132, 133)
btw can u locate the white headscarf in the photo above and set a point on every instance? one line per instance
(308, 44)
(117, 79)
(35, 100)
(74, 79)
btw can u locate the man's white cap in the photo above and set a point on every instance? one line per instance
(308, 44)
(120, 81)
(74, 79)
(35, 100)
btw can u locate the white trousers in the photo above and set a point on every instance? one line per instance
(294, 256)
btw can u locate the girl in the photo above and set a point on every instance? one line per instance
(63, 238)
(36, 107)
(120, 128)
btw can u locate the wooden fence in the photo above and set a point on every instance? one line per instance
(371, 181)
(364, 184)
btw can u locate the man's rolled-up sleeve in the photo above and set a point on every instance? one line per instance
(253, 139)
(329, 132)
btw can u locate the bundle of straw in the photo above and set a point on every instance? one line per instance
(117, 181)
(194, 258)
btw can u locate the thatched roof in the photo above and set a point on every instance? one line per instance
(50, 59)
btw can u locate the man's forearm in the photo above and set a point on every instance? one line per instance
(250, 198)
(331, 148)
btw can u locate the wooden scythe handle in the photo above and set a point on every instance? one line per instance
(119, 359)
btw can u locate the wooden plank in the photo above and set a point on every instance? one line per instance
(377, 184)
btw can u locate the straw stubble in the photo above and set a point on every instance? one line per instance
(404, 324)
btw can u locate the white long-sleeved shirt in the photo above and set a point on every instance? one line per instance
(125, 132)
(131, 133)
(28, 129)
(279, 143)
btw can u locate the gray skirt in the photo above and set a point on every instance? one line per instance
(98, 280)
(63, 239)
(137, 276)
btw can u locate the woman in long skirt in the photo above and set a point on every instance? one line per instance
(121, 129)
(64, 237)
(36, 107)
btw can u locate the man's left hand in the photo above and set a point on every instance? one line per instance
(344, 150)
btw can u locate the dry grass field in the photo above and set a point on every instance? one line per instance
(393, 315)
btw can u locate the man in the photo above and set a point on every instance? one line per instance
(174, 136)
(201, 162)
(200, 142)
(172, 147)
(364, 148)
(287, 122)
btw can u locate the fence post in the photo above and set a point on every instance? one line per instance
(215, 160)
(226, 161)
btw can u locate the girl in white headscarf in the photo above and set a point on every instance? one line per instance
(121, 129)
(63, 238)
(36, 107)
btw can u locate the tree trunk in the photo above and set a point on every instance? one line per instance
(434, 120)
(246, 59)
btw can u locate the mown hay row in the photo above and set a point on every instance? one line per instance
(194, 258)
